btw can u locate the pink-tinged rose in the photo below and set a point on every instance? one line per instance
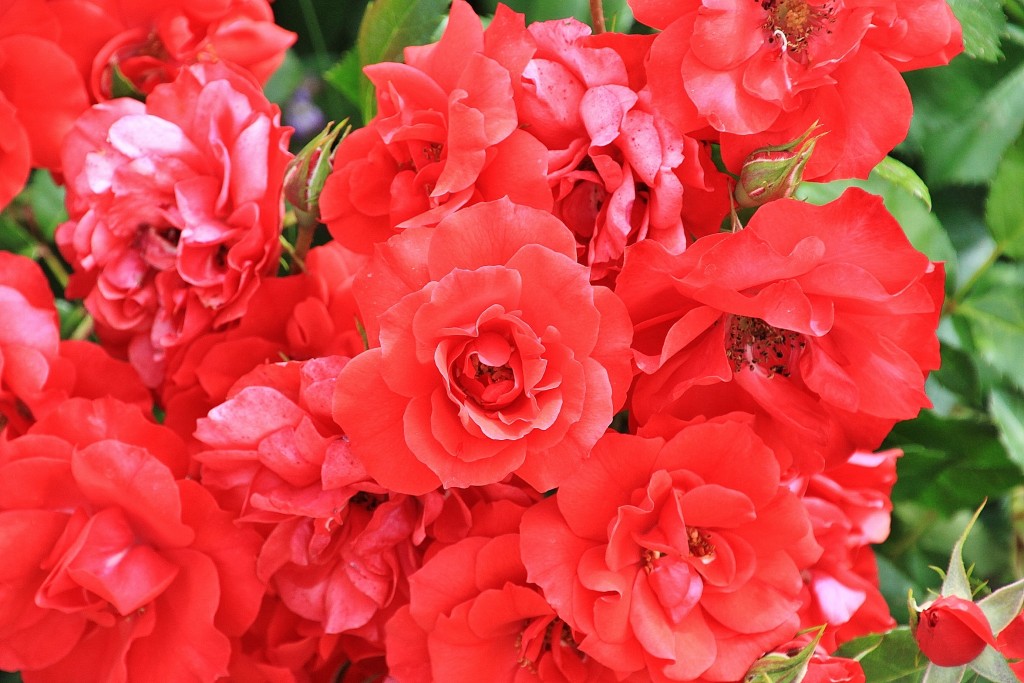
(952, 631)
(491, 353)
(41, 93)
(307, 315)
(682, 559)
(149, 41)
(29, 339)
(446, 135)
(115, 568)
(337, 547)
(619, 171)
(38, 372)
(818, 320)
(761, 73)
(850, 509)
(175, 210)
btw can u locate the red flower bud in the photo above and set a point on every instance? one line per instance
(952, 631)
(771, 173)
(308, 171)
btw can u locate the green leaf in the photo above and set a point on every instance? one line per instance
(1004, 210)
(1007, 411)
(900, 175)
(950, 463)
(1002, 606)
(46, 200)
(956, 581)
(387, 28)
(992, 666)
(777, 667)
(346, 76)
(943, 674)
(617, 15)
(969, 148)
(887, 658)
(995, 319)
(13, 236)
(983, 22)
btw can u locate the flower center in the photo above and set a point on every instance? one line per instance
(793, 22)
(753, 343)
(531, 644)
(700, 544)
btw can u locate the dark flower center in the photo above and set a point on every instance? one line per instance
(700, 544)
(753, 343)
(793, 22)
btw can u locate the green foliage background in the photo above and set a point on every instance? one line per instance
(956, 185)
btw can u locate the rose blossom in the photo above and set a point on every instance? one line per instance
(818, 320)
(952, 631)
(41, 93)
(760, 73)
(175, 209)
(619, 170)
(491, 353)
(149, 41)
(446, 135)
(678, 557)
(115, 568)
(37, 370)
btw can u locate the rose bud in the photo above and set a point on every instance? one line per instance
(771, 173)
(951, 631)
(308, 171)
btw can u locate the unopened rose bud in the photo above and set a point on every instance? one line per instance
(951, 631)
(771, 173)
(308, 171)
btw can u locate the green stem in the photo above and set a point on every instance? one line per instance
(966, 287)
(54, 264)
(83, 329)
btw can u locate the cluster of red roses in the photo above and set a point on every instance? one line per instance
(527, 239)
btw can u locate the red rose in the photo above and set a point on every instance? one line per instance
(761, 73)
(115, 569)
(619, 171)
(41, 93)
(952, 631)
(150, 41)
(818, 320)
(850, 509)
(472, 616)
(682, 559)
(492, 354)
(175, 210)
(446, 135)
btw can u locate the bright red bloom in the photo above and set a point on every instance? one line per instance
(175, 210)
(619, 170)
(952, 631)
(492, 354)
(473, 616)
(818, 320)
(150, 41)
(682, 559)
(1010, 644)
(115, 569)
(760, 73)
(41, 93)
(37, 370)
(446, 135)
(850, 509)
